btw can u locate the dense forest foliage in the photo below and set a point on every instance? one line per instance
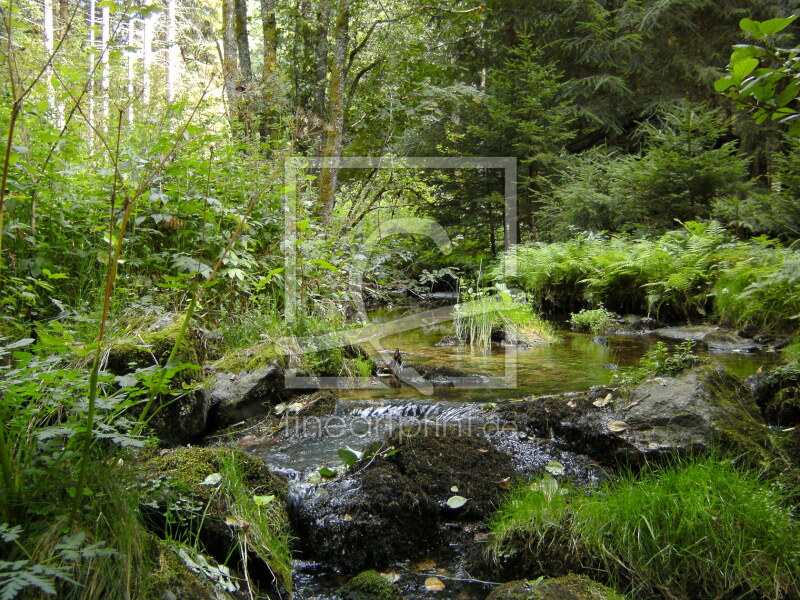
(167, 157)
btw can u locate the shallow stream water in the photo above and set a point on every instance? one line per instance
(573, 363)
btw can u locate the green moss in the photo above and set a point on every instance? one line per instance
(189, 467)
(170, 575)
(145, 349)
(369, 585)
(248, 359)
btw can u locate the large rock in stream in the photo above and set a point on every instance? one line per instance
(389, 508)
(694, 411)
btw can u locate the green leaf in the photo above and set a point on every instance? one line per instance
(773, 26)
(327, 472)
(788, 94)
(349, 457)
(456, 501)
(325, 265)
(743, 68)
(263, 500)
(751, 27)
(554, 468)
(723, 84)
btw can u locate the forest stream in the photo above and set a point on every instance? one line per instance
(574, 363)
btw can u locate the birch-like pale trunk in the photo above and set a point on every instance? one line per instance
(147, 56)
(230, 66)
(131, 60)
(90, 90)
(106, 50)
(49, 36)
(172, 50)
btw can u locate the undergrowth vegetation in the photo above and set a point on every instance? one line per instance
(697, 272)
(697, 528)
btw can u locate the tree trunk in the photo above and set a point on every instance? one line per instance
(172, 50)
(90, 90)
(48, 44)
(230, 69)
(321, 60)
(336, 123)
(131, 58)
(269, 77)
(106, 31)
(63, 13)
(147, 55)
(242, 40)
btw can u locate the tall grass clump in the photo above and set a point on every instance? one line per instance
(695, 529)
(482, 317)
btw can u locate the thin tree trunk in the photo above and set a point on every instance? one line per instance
(63, 13)
(106, 52)
(321, 59)
(49, 36)
(268, 126)
(147, 55)
(336, 123)
(172, 50)
(90, 92)
(230, 70)
(131, 59)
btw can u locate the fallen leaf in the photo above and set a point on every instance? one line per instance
(554, 468)
(347, 517)
(617, 426)
(212, 479)
(454, 489)
(504, 483)
(456, 501)
(571, 404)
(483, 450)
(600, 403)
(434, 584)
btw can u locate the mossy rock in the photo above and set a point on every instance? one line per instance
(249, 359)
(181, 501)
(179, 416)
(777, 393)
(148, 348)
(570, 587)
(369, 585)
(187, 468)
(172, 579)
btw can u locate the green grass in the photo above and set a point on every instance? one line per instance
(481, 314)
(698, 528)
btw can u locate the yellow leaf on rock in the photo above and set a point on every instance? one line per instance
(434, 584)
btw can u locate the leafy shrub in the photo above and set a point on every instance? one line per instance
(698, 528)
(660, 360)
(594, 320)
(693, 272)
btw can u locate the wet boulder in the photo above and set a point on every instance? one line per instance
(698, 409)
(777, 393)
(368, 519)
(570, 587)
(437, 375)
(693, 411)
(180, 415)
(236, 397)
(728, 341)
(369, 585)
(446, 465)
